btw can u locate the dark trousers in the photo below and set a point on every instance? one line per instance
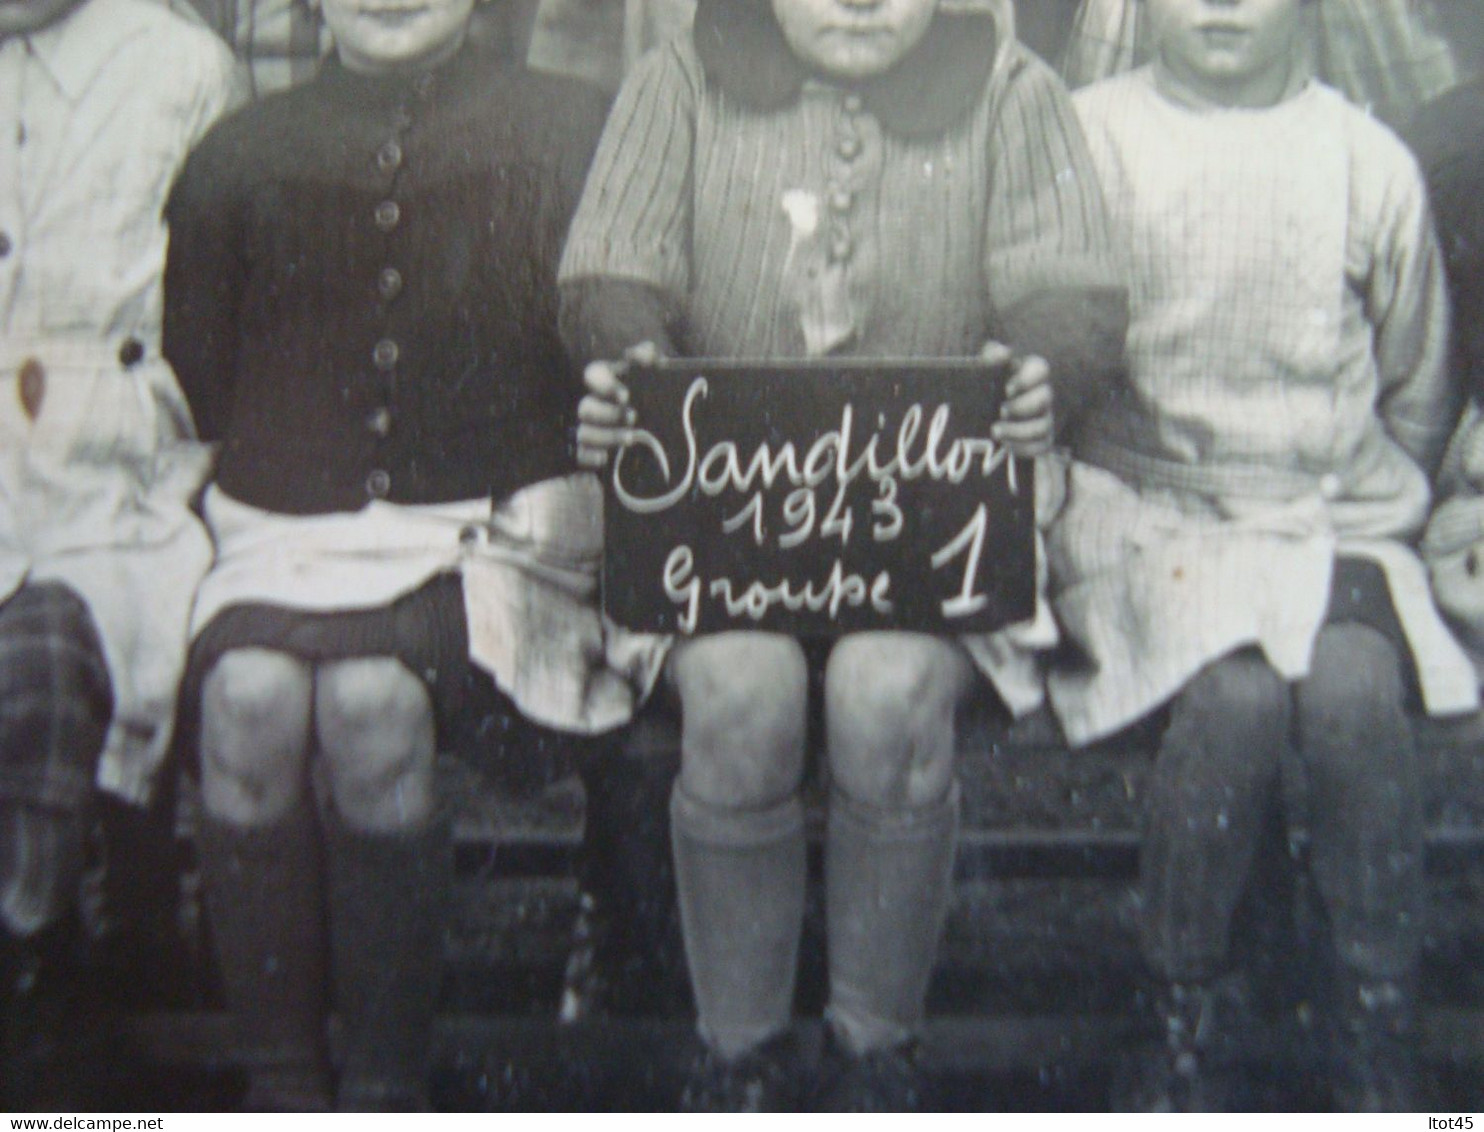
(1217, 774)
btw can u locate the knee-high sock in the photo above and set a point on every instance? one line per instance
(389, 896)
(266, 903)
(1209, 799)
(1366, 802)
(740, 878)
(888, 875)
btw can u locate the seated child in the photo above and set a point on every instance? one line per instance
(1235, 538)
(361, 305)
(99, 551)
(1448, 137)
(958, 209)
(1385, 55)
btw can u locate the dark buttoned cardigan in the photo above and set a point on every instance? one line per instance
(361, 286)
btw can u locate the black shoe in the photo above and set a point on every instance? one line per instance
(764, 1079)
(883, 1080)
(1373, 1064)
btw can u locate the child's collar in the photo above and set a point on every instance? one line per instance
(76, 47)
(1174, 89)
(378, 91)
(743, 51)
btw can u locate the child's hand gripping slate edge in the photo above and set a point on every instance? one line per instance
(605, 420)
(1026, 425)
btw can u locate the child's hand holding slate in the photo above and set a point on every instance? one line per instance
(1027, 424)
(604, 419)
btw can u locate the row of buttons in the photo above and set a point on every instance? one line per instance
(385, 354)
(840, 198)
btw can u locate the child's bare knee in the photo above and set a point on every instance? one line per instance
(383, 788)
(254, 733)
(1352, 720)
(891, 703)
(375, 722)
(895, 681)
(742, 690)
(374, 696)
(743, 698)
(256, 691)
(743, 779)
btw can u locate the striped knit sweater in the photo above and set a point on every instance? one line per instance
(740, 207)
(766, 213)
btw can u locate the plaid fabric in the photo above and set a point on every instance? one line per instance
(1108, 37)
(55, 698)
(1384, 55)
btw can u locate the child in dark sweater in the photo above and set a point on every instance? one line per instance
(361, 304)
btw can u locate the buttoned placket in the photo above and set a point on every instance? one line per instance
(857, 138)
(389, 219)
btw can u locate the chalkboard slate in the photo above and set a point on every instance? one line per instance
(817, 498)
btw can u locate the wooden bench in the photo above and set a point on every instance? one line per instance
(1038, 987)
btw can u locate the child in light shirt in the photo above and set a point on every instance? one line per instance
(1236, 543)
